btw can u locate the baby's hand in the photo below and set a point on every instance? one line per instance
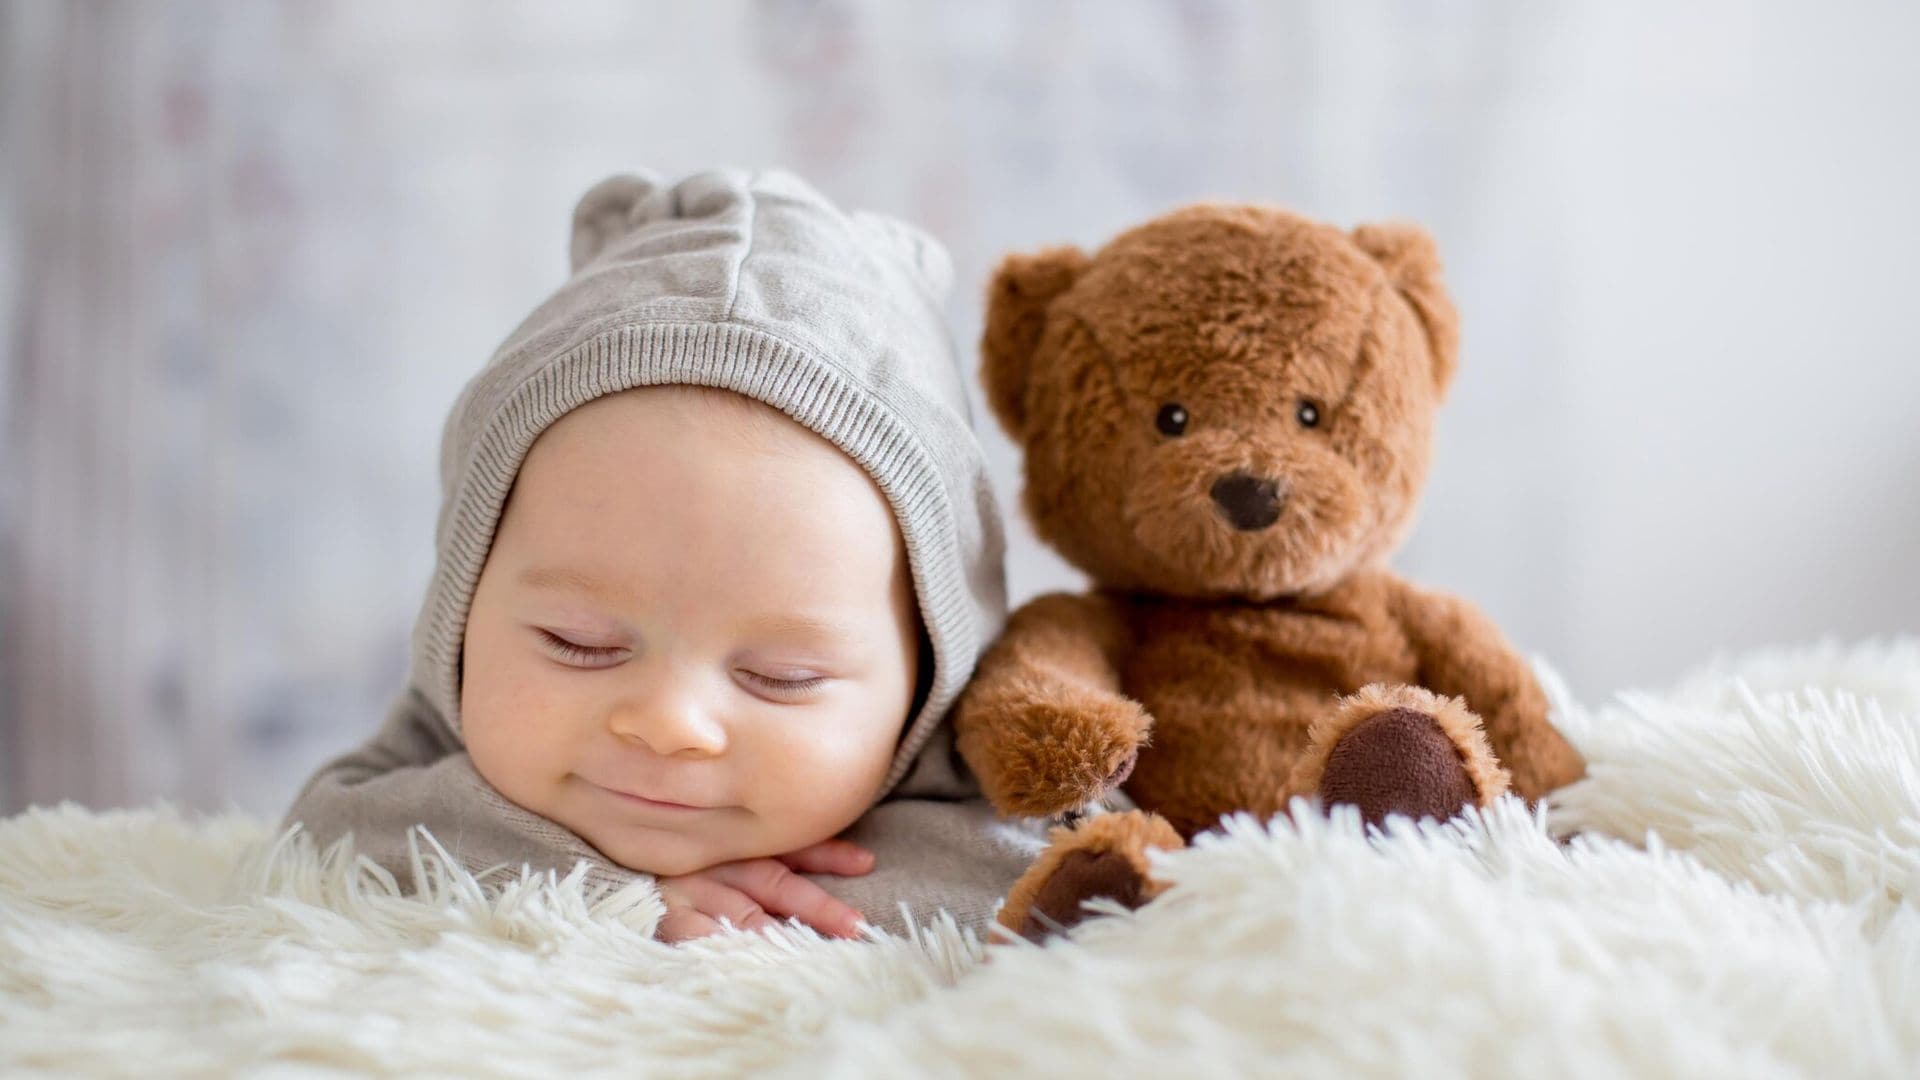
(751, 893)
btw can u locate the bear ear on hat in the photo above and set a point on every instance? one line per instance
(606, 212)
(1023, 287)
(1412, 262)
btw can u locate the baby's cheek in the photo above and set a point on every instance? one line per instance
(509, 724)
(825, 768)
(499, 756)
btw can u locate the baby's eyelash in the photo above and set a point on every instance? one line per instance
(784, 686)
(572, 652)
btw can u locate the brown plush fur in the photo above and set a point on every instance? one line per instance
(1243, 619)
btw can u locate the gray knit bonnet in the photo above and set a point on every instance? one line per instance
(756, 283)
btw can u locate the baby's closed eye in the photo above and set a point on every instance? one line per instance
(785, 685)
(576, 654)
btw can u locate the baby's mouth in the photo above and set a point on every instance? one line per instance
(646, 801)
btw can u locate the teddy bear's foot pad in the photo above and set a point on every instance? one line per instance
(1397, 762)
(1083, 875)
(1108, 855)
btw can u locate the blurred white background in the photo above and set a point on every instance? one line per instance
(249, 252)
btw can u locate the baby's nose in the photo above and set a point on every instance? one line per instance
(1250, 502)
(668, 728)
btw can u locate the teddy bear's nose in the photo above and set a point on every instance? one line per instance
(1248, 501)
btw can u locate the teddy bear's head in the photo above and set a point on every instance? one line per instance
(1229, 400)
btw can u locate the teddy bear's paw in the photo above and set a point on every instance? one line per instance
(1398, 762)
(1105, 856)
(1058, 752)
(1082, 876)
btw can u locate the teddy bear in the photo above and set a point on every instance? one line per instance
(1226, 415)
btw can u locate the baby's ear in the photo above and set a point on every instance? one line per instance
(1412, 263)
(606, 212)
(1017, 300)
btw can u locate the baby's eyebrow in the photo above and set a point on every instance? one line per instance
(560, 577)
(828, 630)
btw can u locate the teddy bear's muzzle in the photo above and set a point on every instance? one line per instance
(1249, 502)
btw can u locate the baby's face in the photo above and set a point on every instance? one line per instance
(694, 638)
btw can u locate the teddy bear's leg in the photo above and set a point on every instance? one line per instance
(1101, 856)
(1400, 750)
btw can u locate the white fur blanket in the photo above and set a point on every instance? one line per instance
(1743, 900)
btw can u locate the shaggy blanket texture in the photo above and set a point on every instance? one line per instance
(1742, 898)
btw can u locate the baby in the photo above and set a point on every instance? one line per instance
(716, 553)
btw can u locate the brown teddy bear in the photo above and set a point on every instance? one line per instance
(1227, 416)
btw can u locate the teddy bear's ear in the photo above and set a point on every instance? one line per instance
(1017, 301)
(1412, 263)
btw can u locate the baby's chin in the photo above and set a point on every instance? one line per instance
(664, 853)
(657, 851)
(670, 867)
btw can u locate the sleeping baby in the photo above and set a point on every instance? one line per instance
(716, 553)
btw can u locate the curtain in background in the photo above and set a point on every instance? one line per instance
(214, 537)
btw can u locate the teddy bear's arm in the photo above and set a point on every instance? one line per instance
(1461, 652)
(1043, 724)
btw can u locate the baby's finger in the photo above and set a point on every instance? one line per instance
(681, 922)
(783, 892)
(842, 857)
(705, 893)
(684, 924)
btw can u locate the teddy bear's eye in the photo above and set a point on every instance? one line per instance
(1172, 419)
(1308, 412)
